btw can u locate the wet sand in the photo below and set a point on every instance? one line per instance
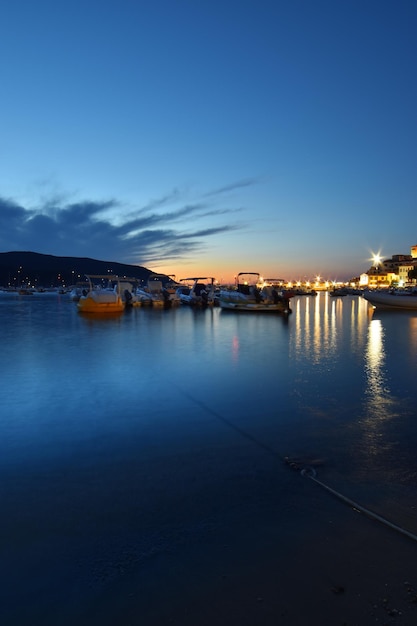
(313, 562)
(226, 535)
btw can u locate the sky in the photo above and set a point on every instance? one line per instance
(210, 137)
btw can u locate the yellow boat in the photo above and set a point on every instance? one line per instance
(103, 297)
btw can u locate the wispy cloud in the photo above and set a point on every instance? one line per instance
(172, 197)
(208, 232)
(130, 227)
(246, 182)
(108, 231)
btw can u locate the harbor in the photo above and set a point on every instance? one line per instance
(208, 314)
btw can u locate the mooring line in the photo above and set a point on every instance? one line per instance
(362, 509)
(306, 471)
(311, 473)
(231, 425)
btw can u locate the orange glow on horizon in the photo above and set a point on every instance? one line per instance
(225, 272)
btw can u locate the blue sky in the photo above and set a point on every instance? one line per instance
(210, 137)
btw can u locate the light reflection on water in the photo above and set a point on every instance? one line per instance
(380, 406)
(353, 381)
(334, 380)
(122, 440)
(323, 324)
(374, 368)
(413, 336)
(387, 423)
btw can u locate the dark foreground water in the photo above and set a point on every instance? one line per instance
(138, 452)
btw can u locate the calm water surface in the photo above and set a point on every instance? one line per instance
(106, 423)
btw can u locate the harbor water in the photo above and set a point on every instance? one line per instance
(143, 448)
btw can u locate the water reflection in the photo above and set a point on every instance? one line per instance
(331, 366)
(413, 336)
(346, 378)
(379, 407)
(374, 364)
(358, 324)
(321, 325)
(235, 348)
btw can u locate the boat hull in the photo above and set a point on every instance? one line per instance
(254, 295)
(238, 304)
(391, 300)
(90, 305)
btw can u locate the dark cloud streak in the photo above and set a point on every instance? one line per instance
(171, 216)
(83, 212)
(246, 182)
(84, 229)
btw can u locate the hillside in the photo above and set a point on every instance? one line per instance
(31, 268)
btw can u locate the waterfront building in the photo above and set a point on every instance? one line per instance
(378, 278)
(391, 271)
(403, 271)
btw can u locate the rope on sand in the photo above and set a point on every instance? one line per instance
(311, 474)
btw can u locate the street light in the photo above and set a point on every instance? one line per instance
(376, 259)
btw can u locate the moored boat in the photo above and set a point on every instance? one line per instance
(400, 299)
(79, 289)
(339, 293)
(253, 294)
(102, 299)
(156, 293)
(128, 291)
(198, 291)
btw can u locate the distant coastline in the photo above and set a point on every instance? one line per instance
(45, 270)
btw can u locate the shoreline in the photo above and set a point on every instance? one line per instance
(280, 550)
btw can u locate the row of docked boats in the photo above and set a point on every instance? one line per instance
(111, 294)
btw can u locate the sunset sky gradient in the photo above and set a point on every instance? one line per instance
(207, 137)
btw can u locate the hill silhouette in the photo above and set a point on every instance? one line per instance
(46, 270)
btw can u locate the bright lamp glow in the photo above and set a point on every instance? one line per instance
(376, 259)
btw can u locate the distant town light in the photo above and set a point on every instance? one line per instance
(376, 259)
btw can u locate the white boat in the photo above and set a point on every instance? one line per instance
(103, 297)
(156, 294)
(399, 299)
(79, 289)
(183, 292)
(198, 291)
(254, 294)
(128, 291)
